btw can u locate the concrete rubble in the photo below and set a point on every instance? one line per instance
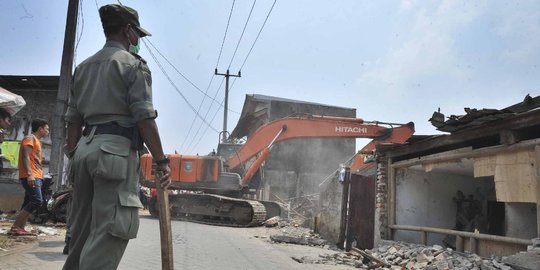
(389, 255)
(291, 233)
(529, 260)
(396, 255)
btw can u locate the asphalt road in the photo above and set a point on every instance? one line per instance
(198, 246)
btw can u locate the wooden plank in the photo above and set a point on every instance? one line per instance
(458, 139)
(515, 176)
(371, 257)
(484, 166)
(462, 153)
(527, 104)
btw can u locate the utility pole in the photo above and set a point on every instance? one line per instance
(226, 107)
(58, 124)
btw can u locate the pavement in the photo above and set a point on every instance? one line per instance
(196, 246)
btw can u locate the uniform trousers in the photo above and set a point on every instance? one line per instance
(104, 211)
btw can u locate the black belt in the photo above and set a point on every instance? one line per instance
(111, 129)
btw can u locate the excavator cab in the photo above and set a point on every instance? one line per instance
(194, 173)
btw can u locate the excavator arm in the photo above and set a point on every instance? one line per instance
(263, 139)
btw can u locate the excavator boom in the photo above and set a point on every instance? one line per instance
(316, 127)
(207, 173)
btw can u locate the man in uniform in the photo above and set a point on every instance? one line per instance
(111, 98)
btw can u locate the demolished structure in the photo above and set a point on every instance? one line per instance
(295, 169)
(476, 189)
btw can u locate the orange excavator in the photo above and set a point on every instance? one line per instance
(209, 189)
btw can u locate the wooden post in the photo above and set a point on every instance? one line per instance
(423, 239)
(164, 225)
(58, 126)
(459, 243)
(344, 207)
(537, 164)
(472, 245)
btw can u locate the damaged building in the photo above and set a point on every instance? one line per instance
(475, 189)
(295, 168)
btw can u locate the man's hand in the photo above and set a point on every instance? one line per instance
(31, 181)
(165, 179)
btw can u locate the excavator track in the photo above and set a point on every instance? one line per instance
(217, 210)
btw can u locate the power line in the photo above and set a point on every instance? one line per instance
(213, 75)
(253, 45)
(181, 74)
(198, 110)
(225, 35)
(175, 87)
(205, 115)
(262, 27)
(204, 132)
(81, 15)
(243, 30)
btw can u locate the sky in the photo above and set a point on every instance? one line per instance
(393, 61)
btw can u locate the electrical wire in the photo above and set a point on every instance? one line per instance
(181, 74)
(79, 35)
(243, 31)
(204, 132)
(195, 118)
(255, 41)
(262, 27)
(225, 35)
(174, 85)
(205, 115)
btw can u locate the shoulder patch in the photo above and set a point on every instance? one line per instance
(148, 78)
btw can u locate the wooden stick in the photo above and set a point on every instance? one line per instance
(370, 257)
(164, 225)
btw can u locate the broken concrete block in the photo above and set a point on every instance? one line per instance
(271, 222)
(420, 265)
(392, 250)
(421, 257)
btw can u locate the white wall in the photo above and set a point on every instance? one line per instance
(521, 220)
(425, 199)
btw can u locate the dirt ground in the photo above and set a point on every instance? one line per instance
(41, 232)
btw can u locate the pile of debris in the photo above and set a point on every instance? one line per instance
(389, 255)
(292, 233)
(398, 255)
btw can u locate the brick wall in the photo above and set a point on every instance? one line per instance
(381, 201)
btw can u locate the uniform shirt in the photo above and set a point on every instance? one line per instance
(35, 158)
(112, 85)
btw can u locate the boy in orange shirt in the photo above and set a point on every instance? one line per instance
(30, 174)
